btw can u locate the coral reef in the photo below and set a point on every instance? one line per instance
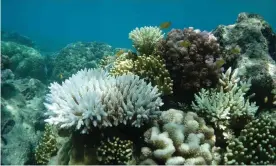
(17, 38)
(145, 39)
(5, 62)
(102, 100)
(24, 61)
(226, 108)
(115, 151)
(256, 40)
(77, 56)
(149, 67)
(192, 58)
(92, 98)
(256, 144)
(107, 62)
(153, 69)
(123, 65)
(46, 147)
(6, 74)
(186, 140)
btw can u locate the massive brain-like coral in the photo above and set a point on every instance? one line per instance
(192, 58)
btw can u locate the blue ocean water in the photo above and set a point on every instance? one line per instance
(53, 24)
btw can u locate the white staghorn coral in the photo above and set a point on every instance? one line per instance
(145, 39)
(92, 98)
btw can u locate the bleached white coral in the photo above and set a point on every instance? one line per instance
(164, 144)
(172, 116)
(178, 160)
(93, 98)
(145, 39)
(181, 143)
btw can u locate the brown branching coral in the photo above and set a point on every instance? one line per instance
(115, 151)
(149, 67)
(46, 147)
(192, 58)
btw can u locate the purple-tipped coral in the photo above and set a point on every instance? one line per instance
(192, 58)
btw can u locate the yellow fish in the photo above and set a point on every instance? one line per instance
(185, 44)
(165, 25)
(60, 76)
(220, 63)
(120, 53)
(265, 99)
(235, 50)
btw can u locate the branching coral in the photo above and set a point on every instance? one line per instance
(149, 67)
(153, 69)
(122, 65)
(192, 58)
(226, 106)
(256, 145)
(115, 151)
(145, 39)
(93, 98)
(46, 147)
(184, 140)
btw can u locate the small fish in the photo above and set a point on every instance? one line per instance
(165, 25)
(235, 50)
(185, 44)
(220, 63)
(265, 99)
(120, 53)
(46, 70)
(60, 76)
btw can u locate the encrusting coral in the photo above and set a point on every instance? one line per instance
(115, 151)
(192, 58)
(256, 144)
(145, 39)
(226, 108)
(180, 138)
(46, 147)
(92, 97)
